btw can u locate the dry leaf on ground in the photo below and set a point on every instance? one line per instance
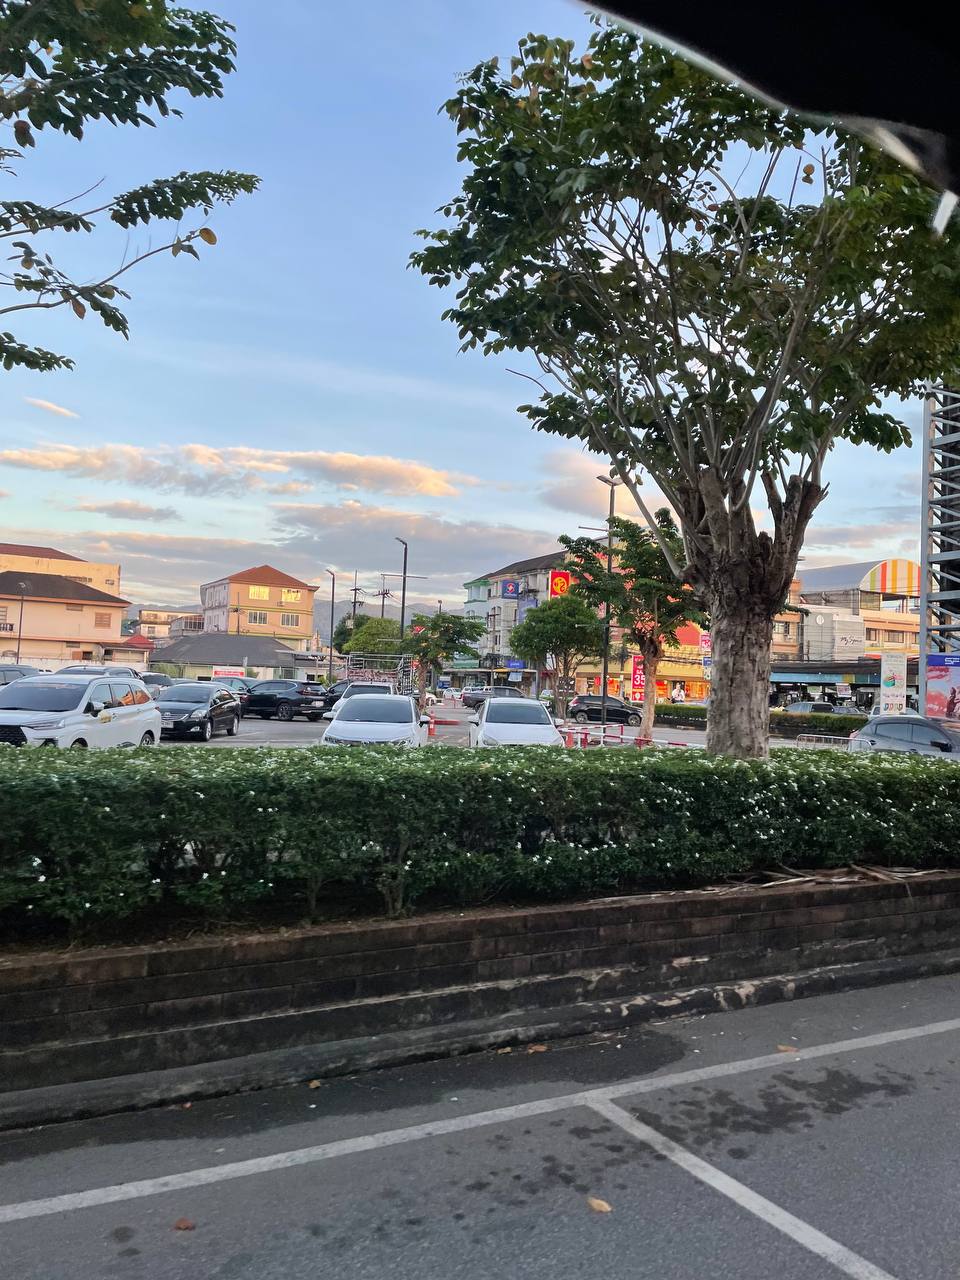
(184, 1224)
(506, 1050)
(787, 1048)
(599, 1206)
(314, 1084)
(536, 1048)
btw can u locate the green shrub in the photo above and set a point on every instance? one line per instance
(90, 838)
(836, 725)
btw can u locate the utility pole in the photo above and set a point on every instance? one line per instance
(605, 668)
(403, 587)
(23, 588)
(357, 593)
(333, 601)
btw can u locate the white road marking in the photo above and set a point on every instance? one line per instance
(455, 1124)
(844, 1259)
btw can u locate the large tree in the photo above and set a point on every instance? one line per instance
(375, 635)
(644, 598)
(560, 632)
(712, 293)
(434, 639)
(64, 63)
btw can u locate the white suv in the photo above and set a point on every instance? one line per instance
(77, 711)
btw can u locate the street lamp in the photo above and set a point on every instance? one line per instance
(333, 601)
(403, 586)
(607, 480)
(23, 588)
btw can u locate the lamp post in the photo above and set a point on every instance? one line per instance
(605, 668)
(333, 601)
(403, 587)
(23, 588)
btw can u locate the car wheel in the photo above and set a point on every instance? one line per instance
(148, 740)
(206, 730)
(285, 711)
(633, 720)
(581, 717)
(233, 727)
(79, 745)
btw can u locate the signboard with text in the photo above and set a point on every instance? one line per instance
(706, 644)
(893, 683)
(228, 671)
(943, 685)
(510, 588)
(560, 580)
(638, 680)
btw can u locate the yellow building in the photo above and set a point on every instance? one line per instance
(260, 602)
(17, 558)
(47, 619)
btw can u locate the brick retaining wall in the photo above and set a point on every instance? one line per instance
(90, 1015)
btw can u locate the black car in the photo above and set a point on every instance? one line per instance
(15, 671)
(333, 693)
(198, 709)
(286, 699)
(473, 697)
(156, 680)
(587, 706)
(240, 685)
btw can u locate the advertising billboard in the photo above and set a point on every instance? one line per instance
(560, 580)
(509, 588)
(638, 680)
(943, 685)
(893, 683)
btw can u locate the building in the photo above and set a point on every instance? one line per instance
(16, 558)
(501, 600)
(260, 602)
(877, 605)
(185, 624)
(58, 620)
(155, 624)
(223, 653)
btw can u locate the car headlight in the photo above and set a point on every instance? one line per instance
(48, 724)
(198, 714)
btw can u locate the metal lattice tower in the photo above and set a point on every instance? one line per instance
(940, 554)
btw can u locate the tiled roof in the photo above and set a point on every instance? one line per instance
(552, 560)
(35, 553)
(222, 647)
(265, 575)
(51, 586)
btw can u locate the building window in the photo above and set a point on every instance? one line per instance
(289, 596)
(258, 593)
(872, 635)
(257, 617)
(895, 637)
(290, 620)
(151, 631)
(781, 628)
(101, 620)
(3, 613)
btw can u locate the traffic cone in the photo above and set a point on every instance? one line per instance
(432, 726)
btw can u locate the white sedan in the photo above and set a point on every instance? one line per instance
(513, 722)
(369, 719)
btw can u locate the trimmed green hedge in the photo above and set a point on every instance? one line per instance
(91, 838)
(693, 716)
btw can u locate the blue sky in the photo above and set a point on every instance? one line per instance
(212, 439)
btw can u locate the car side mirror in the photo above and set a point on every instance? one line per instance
(95, 708)
(474, 719)
(328, 715)
(944, 746)
(425, 719)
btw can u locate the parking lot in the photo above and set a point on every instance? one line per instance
(255, 732)
(809, 1140)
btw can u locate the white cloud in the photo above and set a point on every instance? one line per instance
(202, 469)
(127, 509)
(49, 407)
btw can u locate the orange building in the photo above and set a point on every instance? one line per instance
(262, 601)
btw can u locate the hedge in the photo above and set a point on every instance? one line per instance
(106, 837)
(694, 715)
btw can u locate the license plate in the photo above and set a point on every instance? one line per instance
(315, 703)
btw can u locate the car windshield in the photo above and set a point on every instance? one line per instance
(365, 688)
(185, 693)
(378, 710)
(41, 695)
(517, 713)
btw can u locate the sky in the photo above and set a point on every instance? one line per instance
(294, 397)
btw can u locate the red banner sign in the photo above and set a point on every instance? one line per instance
(560, 580)
(638, 680)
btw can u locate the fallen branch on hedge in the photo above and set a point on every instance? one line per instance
(108, 836)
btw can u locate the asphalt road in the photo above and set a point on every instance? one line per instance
(255, 732)
(811, 1141)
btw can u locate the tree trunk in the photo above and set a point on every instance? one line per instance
(738, 723)
(651, 661)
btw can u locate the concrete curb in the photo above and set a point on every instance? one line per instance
(28, 1108)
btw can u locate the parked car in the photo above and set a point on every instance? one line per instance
(377, 719)
(16, 671)
(200, 709)
(156, 680)
(75, 711)
(240, 685)
(354, 687)
(587, 706)
(812, 709)
(333, 693)
(285, 699)
(513, 722)
(915, 734)
(98, 669)
(472, 698)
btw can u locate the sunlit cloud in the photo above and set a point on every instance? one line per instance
(127, 509)
(204, 469)
(49, 407)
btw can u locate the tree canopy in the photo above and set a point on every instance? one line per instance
(646, 602)
(375, 635)
(712, 293)
(63, 64)
(434, 639)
